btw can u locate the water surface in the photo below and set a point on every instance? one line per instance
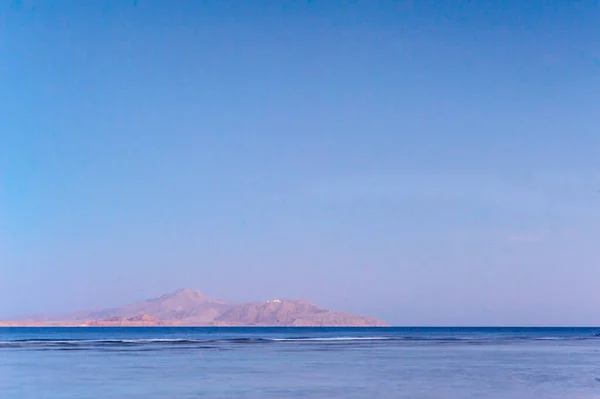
(257, 363)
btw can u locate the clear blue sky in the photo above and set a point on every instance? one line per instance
(427, 162)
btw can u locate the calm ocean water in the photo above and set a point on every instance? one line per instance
(257, 363)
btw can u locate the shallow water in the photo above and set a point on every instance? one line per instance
(257, 363)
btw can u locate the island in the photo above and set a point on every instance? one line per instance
(187, 307)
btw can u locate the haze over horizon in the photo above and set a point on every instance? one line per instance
(426, 163)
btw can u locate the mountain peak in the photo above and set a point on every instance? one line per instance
(185, 297)
(187, 292)
(183, 294)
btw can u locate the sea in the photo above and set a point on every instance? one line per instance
(324, 363)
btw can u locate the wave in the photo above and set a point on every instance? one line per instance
(190, 342)
(327, 339)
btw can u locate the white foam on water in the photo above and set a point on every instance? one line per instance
(333, 339)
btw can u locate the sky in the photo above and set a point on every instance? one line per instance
(429, 163)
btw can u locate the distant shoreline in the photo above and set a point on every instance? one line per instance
(103, 323)
(179, 326)
(2, 325)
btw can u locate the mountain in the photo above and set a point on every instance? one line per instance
(292, 313)
(186, 307)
